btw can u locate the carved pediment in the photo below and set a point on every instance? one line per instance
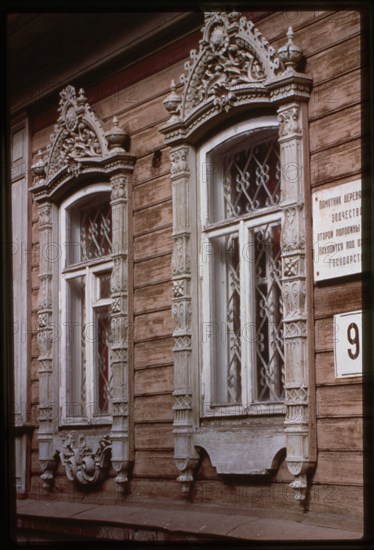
(233, 54)
(77, 133)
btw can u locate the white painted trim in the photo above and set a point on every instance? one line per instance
(21, 259)
(244, 226)
(88, 271)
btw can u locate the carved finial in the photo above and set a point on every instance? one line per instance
(38, 169)
(290, 54)
(81, 99)
(172, 102)
(234, 16)
(116, 136)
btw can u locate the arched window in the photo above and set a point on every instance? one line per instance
(240, 264)
(241, 270)
(85, 300)
(81, 188)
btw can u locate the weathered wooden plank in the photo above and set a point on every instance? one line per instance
(151, 464)
(147, 140)
(154, 244)
(146, 114)
(146, 168)
(127, 98)
(322, 497)
(153, 218)
(35, 281)
(339, 468)
(35, 249)
(154, 436)
(34, 212)
(325, 368)
(152, 271)
(274, 26)
(152, 297)
(156, 488)
(283, 475)
(339, 401)
(153, 380)
(323, 34)
(40, 139)
(205, 470)
(330, 300)
(259, 496)
(157, 352)
(153, 325)
(34, 398)
(152, 192)
(334, 61)
(340, 434)
(155, 408)
(331, 130)
(34, 303)
(338, 162)
(336, 93)
(324, 334)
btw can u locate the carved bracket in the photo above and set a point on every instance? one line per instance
(81, 464)
(48, 468)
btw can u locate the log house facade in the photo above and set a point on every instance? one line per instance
(139, 410)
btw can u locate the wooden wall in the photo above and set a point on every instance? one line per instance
(331, 42)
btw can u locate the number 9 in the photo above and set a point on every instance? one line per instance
(353, 338)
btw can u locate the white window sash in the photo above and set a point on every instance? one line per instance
(245, 226)
(90, 273)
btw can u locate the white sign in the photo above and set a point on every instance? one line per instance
(348, 344)
(338, 231)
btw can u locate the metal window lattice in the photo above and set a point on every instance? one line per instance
(104, 373)
(252, 179)
(233, 318)
(96, 231)
(269, 314)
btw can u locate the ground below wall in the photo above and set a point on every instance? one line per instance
(39, 521)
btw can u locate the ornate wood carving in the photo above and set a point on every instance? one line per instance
(79, 148)
(233, 55)
(119, 325)
(77, 133)
(81, 464)
(233, 67)
(45, 436)
(186, 457)
(295, 298)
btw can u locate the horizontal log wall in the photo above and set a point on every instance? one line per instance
(331, 42)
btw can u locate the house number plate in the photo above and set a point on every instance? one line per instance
(348, 343)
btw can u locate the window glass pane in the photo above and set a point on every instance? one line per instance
(75, 347)
(226, 319)
(95, 231)
(250, 180)
(103, 373)
(269, 311)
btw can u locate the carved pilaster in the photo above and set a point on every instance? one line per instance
(185, 454)
(45, 338)
(294, 296)
(119, 329)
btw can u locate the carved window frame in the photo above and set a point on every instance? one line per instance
(82, 156)
(234, 72)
